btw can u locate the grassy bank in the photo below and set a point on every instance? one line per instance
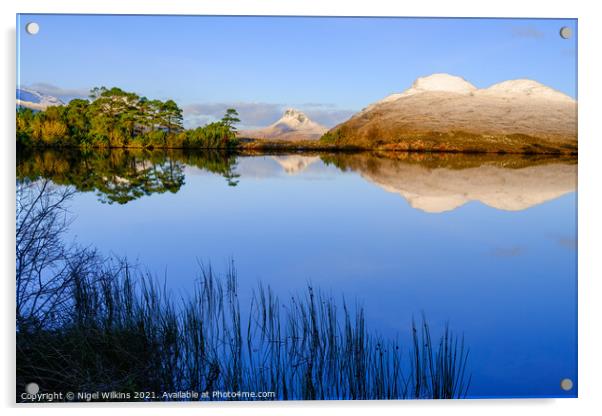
(460, 143)
(88, 323)
(451, 142)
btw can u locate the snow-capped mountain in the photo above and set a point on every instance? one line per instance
(293, 125)
(446, 112)
(35, 100)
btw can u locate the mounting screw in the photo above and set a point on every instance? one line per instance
(566, 32)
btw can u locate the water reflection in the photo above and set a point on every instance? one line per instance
(327, 219)
(118, 175)
(432, 183)
(294, 164)
(439, 183)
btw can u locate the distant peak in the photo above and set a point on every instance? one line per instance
(293, 124)
(35, 100)
(292, 113)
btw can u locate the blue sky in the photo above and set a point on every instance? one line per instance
(327, 67)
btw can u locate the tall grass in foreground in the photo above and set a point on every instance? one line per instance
(105, 327)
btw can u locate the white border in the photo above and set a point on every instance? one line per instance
(590, 270)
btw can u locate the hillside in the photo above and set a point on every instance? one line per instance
(442, 112)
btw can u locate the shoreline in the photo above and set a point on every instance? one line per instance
(271, 147)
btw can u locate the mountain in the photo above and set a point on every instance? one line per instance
(35, 100)
(447, 113)
(293, 125)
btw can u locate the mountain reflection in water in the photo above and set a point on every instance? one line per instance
(432, 183)
(438, 183)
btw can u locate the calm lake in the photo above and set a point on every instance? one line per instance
(486, 243)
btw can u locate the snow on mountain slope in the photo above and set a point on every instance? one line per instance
(525, 88)
(35, 100)
(293, 125)
(445, 112)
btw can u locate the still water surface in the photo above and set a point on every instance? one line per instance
(487, 244)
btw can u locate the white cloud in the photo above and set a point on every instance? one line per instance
(55, 91)
(328, 117)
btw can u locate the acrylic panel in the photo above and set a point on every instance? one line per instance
(295, 208)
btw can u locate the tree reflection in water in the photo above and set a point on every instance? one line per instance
(121, 175)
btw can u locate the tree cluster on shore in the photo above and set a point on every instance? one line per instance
(116, 118)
